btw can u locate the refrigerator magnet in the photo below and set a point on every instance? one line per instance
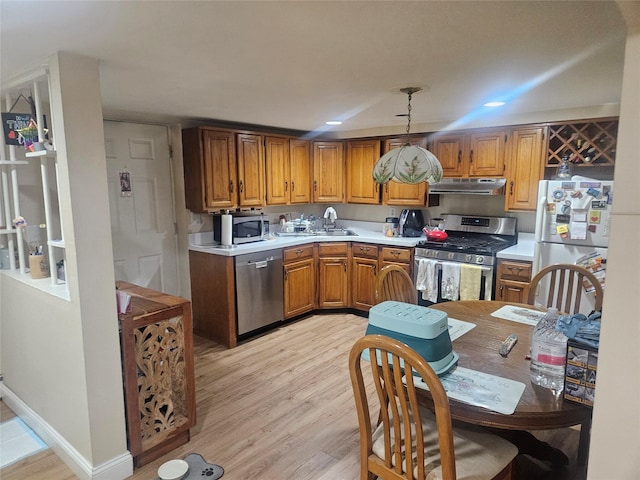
(599, 204)
(558, 195)
(593, 192)
(551, 208)
(592, 228)
(594, 216)
(563, 218)
(562, 230)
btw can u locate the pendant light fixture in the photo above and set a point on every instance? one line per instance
(408, 163)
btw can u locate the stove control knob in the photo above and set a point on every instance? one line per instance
(451, 256)
(479, 259)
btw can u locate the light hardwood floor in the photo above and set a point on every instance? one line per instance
(279, 407)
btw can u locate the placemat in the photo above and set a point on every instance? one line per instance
(481, 389)
(518, 314)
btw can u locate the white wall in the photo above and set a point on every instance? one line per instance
(615, 437)
(61, 359)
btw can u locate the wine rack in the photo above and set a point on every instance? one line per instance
(588, 143)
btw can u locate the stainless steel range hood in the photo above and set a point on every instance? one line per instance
(469, 186)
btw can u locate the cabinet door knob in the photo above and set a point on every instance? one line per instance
(315, 185)
(459, 156)
(471, 156)
(511, 187)
(241, 185)
(293, 185)
(286, 186)
(231, 186)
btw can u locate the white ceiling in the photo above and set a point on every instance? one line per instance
(296, 64)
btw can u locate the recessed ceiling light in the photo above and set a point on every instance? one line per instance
(494, 104)
(334, 122)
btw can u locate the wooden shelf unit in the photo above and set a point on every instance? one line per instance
(589, 143)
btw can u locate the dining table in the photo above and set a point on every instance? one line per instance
(478, 350)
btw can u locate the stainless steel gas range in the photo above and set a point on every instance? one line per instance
(471, 240)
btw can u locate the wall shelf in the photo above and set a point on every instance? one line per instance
(589, 143)
(10, 186)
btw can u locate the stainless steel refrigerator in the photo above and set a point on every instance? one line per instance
(572, 226)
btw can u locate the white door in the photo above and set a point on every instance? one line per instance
(142, 205)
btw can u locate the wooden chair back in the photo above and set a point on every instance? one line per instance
(566, 285)
(399, 414)
(394, 283)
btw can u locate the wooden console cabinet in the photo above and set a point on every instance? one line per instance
(158, 370)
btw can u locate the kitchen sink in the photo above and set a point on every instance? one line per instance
(337, 232)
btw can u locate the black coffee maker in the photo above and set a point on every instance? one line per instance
(411, 223)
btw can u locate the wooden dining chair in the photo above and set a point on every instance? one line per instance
(411, 442)
(563, 287)
(394, 283)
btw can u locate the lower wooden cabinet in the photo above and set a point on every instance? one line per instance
(402, 257)
(333, 275)
(512, 281)
(158, 369)
(364, 269)
(299, 280)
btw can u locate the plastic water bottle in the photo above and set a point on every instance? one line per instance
(548, 353)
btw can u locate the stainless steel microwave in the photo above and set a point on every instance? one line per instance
(244, 228)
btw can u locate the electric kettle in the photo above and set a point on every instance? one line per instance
(411, 223)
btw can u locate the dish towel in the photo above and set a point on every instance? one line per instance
(470, 281)
(427, 279)
(450, 281)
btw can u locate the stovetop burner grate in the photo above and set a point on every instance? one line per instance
(485, 244)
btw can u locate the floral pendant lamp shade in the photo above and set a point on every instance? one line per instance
(409, 163)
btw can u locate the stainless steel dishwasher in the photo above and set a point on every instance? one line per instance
(259, 290)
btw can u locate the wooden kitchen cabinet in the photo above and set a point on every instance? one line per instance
(364, 269)
(158, 370)
(288, 171)
(512, 281)
(404, 194)
(328, 172)
(478, 153)
(333, 275)
(299, 280)
(210, 174)
(362, 156)
(525, 168)
(301, 172)
(213, 297)
(400, 256)
(250, 170)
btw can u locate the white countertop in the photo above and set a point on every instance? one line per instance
(523, 250)
(367, 232)
(203, 242)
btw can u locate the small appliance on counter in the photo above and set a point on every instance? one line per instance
(245, 228)
(411, 223)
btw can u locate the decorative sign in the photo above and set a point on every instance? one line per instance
(20, 128)
(125, 184)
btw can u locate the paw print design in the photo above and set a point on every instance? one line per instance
(208, 472)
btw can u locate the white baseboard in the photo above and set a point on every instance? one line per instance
(117, 468)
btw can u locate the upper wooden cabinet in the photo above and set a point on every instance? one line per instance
(328, 172)
(404, 194)
(288, 171)
(471, 154)
(301, 173)
(250, 170)
(210, 174)
(362, 156)
(525, 167)
(222, 169)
